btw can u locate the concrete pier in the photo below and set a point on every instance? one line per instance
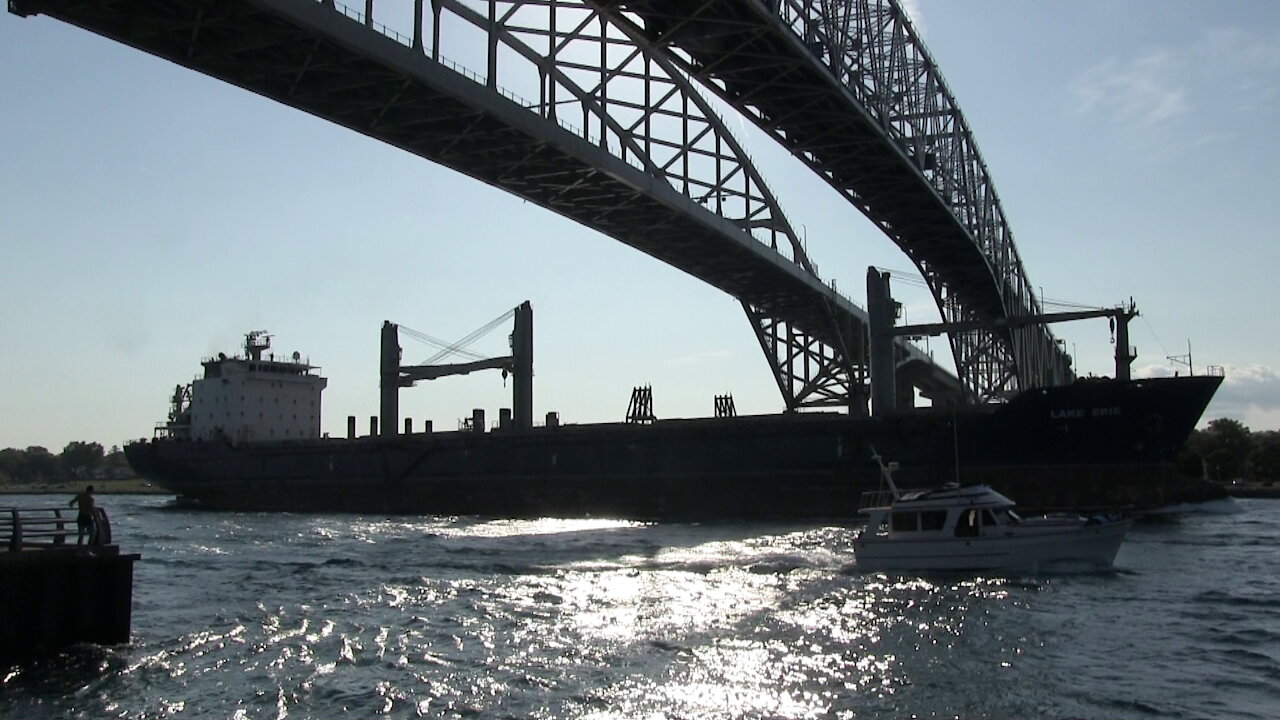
(54, 593)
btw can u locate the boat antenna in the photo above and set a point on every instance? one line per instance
(886, 471)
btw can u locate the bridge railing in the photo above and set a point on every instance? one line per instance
(478, 78)
(370, 22)
(44, 528)
(606, 139)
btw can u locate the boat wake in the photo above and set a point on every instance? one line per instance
(1221, 506)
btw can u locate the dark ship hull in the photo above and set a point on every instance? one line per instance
(1092, 444)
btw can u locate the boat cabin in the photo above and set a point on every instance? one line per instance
(956, 511)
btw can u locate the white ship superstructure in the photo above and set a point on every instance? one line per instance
(252, 398)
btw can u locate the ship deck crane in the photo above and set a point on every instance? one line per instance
(519, 364)
(883, 311)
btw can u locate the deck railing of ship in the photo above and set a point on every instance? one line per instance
(875, 499)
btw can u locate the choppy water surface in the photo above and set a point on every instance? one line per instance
(275, 616)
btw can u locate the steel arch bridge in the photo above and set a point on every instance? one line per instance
(850, 89)
(596, 111)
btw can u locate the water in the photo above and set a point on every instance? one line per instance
(273, 616)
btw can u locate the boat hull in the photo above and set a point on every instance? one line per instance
(1077, 546)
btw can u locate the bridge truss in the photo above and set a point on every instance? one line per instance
(850, 89)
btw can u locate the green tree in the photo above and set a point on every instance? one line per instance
(10, 463)
(115, 458)
(1264, 461)
(38, 465)
(80, 457)
(1226, 448)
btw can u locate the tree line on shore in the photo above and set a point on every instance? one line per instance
(1227, 451)
(87, 461)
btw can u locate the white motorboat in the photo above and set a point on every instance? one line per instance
(976, 528)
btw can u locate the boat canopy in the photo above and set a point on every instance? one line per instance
(951, 496)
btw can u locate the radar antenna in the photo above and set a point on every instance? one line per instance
(255, 341)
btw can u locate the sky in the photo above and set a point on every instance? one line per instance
(151, 216)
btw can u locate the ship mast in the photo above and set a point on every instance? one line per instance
(255, 341)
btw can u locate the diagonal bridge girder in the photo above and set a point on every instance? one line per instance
(648, 164)
(848, 87)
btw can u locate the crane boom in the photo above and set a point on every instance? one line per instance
(1127, 312)
(412, 373)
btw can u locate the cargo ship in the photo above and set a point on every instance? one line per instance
(246, 436)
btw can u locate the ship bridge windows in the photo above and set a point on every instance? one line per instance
(969, 524)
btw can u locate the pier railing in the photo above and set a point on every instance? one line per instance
(43, 528)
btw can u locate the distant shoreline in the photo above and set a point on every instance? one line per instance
(130, 486)
(8, 491)
(1254, 492)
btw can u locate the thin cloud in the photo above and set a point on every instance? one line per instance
(697, 358)
(1249, 393)
(1140, 91)
(1231, 67)
(1250, 59)
(1249, 387)
(1243, 48)
(1212, 138)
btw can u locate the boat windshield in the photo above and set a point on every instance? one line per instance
(1000, 516)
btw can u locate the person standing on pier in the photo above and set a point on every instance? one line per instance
(85, 518)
